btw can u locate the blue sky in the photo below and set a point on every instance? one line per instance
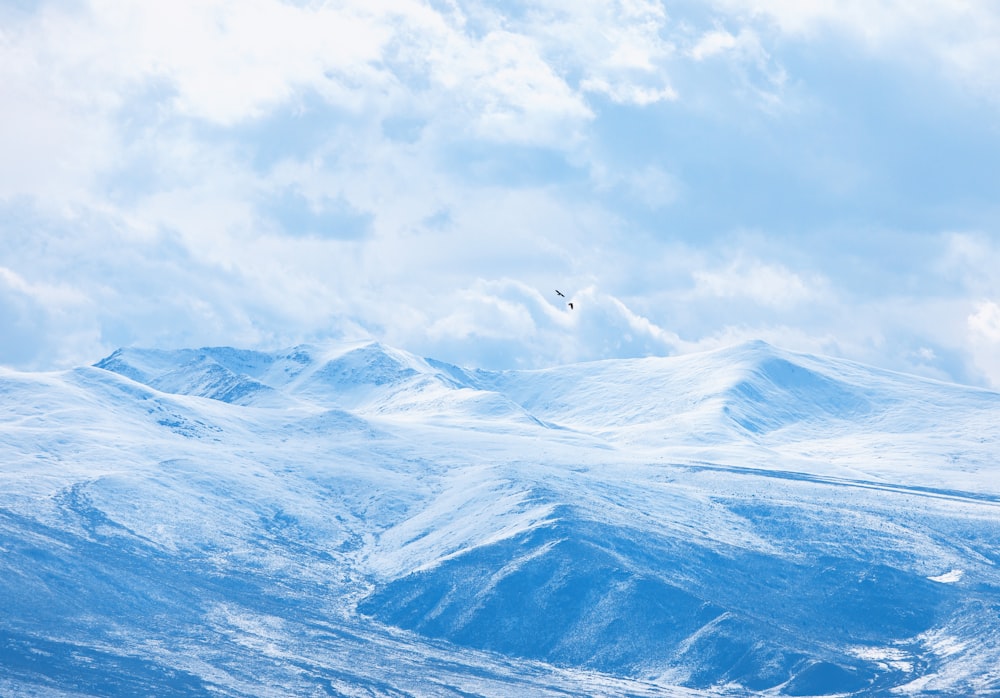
(261, 173)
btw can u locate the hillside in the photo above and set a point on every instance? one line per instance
(354, 520)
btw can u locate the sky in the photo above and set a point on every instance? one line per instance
(263, 173)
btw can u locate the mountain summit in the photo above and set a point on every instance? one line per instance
(352, 519)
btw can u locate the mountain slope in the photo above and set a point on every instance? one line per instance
(351, 519)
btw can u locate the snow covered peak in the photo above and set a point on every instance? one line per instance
(747, 391)
(214, 372)
(217, 373)
(750, 388)
(366, 377)
(771, 389)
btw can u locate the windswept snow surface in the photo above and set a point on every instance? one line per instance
(353, 520)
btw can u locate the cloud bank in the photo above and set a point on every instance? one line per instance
(264, 173)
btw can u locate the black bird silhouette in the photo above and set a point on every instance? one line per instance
(559, 293)
(570, 305)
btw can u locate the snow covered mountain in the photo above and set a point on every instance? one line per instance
(354, 520)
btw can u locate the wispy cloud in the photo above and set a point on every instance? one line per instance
(956, 39)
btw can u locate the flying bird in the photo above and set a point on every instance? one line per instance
(561, 295)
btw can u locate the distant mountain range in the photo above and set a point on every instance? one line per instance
(351, 519)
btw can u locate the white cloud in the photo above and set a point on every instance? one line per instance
(984, 339)
(622, 49)
(770, 285)
(610, 328)
(45, 295)
(985, 322)
(972, 259)
(53, 131)
(227, 61)
(494, 310)
(757, 74)
(476, 145)
(507, 323)
(713, 43)
(44, 323)
(69, 72)
(956, 39)
(518, 97)
(629, 93)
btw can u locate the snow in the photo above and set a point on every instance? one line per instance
(355, 520)
(948, 577)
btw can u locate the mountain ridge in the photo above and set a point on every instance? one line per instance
(746, 374)
(738, 522)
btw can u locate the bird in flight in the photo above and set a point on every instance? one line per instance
(562, 295)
